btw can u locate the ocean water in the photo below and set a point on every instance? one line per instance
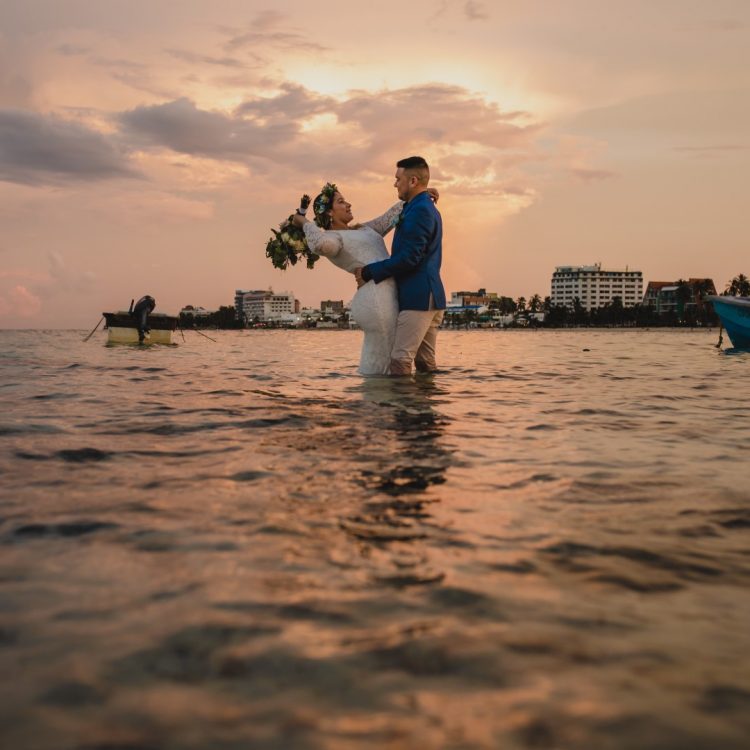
(244, 544)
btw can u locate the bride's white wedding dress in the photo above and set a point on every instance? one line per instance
(374, 306)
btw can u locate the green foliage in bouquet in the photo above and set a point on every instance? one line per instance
(288, 244)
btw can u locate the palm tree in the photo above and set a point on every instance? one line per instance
(616, 311)
(470, 316)
(521, 304)
(580, 315)
(504, 305)
(557, 315)
(535, 303)
(507, 305)
(703, 288)
(739, 286)
(684, 294)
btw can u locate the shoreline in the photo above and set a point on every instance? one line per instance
(520, 329)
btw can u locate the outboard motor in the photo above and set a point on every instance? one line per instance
(140, 312)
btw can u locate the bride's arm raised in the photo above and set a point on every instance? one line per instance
(383, 224)
(320, 241)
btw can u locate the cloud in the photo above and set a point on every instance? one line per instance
(181, 126)
(118, 63)
(475, 11)
(16, 71)
(435, 113)
(439, 11)
(266, 19)
(38, 149)
(473, 145)
(591, 175)
(310, 133)
(136, 75)
(25, 275)
(15, 90)
(65, 278)
(141, 82)
(19, 301)
(293, 103)
(72, 50)
(23, 290)
(262, 34)
(281, 40)
(192, 57)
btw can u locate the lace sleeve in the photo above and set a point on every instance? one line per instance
(322, 242)
(383, 224)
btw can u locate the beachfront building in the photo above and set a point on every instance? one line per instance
(309, 313)
(677, 296)
(595, 286)
(463, 315)
(654, 292)
(195, 312)
(332, 308)
(239, 301)
(263, 306)
(481, 297)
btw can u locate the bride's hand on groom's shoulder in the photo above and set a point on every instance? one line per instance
(434, 194)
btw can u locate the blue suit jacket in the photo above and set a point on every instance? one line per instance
(416, 255)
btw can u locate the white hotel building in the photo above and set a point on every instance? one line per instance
(265, 305)
(595, 286)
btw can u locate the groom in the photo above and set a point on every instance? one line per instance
(415, 261)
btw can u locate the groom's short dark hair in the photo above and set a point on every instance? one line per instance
(418, 166)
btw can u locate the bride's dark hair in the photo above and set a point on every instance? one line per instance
(322, 205)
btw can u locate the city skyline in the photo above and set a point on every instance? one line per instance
(146, 150)
(628, 288)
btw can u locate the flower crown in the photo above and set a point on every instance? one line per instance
(323, 203)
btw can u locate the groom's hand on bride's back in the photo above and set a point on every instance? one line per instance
(358, 276)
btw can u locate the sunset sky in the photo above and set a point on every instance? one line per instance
(147, 146)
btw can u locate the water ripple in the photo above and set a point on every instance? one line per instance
(245, 544)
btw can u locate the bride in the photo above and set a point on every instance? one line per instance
(374, 306)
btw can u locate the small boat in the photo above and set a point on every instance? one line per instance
(123, 328)
(140, 325)
(734, 313)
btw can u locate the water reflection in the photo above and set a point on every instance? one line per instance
(396, 519)
(420, 459)
(246, 545)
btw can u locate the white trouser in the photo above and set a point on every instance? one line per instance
(416, 334)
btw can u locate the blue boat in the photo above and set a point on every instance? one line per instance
(734, 313)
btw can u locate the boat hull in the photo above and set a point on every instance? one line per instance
(118, 335)
(734, 313)
(122, 328)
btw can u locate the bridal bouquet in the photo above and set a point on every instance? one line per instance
(288, 244)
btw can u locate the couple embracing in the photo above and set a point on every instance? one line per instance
(400, 300)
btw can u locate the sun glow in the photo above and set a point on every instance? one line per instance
(317, 123)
